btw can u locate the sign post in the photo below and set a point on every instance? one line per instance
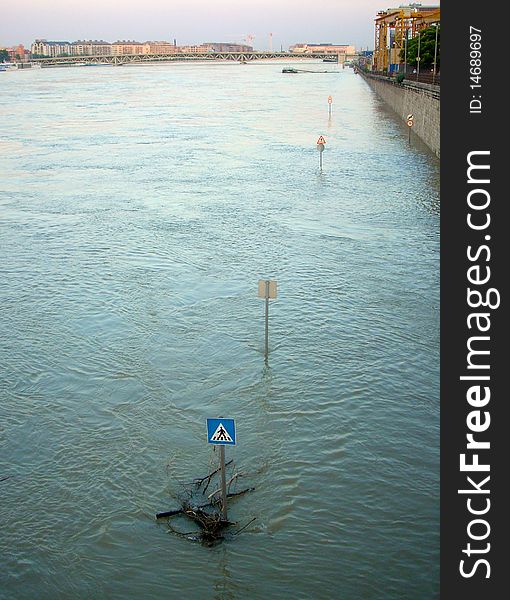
(410, 123)
(266, 337)
(267, 290)
(320, 147)
(222, 432)
(330, 102)
(223, 484)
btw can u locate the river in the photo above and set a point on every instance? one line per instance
(139, 208)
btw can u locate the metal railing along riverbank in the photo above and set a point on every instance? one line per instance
(420, 86)
(424, 77)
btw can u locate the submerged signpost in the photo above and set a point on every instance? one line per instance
(211, 516)
(410, 123)
(267, 290)
(330, 102)
(320, 147)
(222, 432)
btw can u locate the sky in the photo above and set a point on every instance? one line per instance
(193, 21)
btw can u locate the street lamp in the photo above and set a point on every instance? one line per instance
(435, 55)
(418, 57)
(405, 54)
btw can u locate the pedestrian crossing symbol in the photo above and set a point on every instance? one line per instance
(221, 432)
(221, 435)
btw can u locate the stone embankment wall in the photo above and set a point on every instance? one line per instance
(420, 99)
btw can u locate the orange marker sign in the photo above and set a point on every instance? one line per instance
(321, 140)
(330, 99)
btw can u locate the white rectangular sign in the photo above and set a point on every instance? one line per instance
(271, 288)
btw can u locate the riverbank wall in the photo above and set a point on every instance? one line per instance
(420, 99)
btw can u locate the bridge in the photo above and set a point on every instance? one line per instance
(125, 59)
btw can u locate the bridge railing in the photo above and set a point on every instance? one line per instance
(204, 56)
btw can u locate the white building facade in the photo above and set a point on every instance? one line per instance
(52, 49)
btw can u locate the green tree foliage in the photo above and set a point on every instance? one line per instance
(4, 56)
(427, 44)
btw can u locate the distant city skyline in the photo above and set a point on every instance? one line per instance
(194, 21)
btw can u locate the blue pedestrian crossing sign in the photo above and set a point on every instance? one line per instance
(221, 432)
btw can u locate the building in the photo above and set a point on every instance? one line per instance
(203, 49)
(227, 47)
(128, 47)
(51, 49)
(323, 49)
(16, 53)
(91, 48)
(160, 48)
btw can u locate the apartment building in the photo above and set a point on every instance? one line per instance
(49, 48)
(127, 47)
(91, 48)
(160, 48)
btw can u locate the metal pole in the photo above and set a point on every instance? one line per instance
(223, 483)
(320, 154)
(405, 55)
(266, 348)
(435, 55)
(418, 57)
(409, 134)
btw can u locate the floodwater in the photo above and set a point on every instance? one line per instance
(139, 207)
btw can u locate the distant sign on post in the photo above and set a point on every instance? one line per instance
(330, 99)
(410, 123)
(410, 117)
(321, 140)
(267, 291)
(221, 432)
